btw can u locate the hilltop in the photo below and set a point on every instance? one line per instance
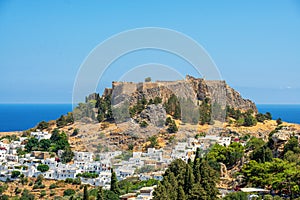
(144, 120)
(128, 114)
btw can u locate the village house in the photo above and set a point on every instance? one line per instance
(146, 193)
(3, 153)
(40, 135)
(83, 156)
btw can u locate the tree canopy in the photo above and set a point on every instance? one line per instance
(183, 181)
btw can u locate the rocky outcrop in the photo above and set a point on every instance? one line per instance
(223, 171)
(280, 138)
(155, 114)
(196, 89)
(220, 92)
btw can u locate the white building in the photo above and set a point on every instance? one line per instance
(3, 153)
(41, 135)
(11, 157)
(146, 193)
(83, 156)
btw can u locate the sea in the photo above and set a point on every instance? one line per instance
(19, 117)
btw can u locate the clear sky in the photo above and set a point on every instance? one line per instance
(255, 44)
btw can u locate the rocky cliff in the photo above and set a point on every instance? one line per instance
(196, 89)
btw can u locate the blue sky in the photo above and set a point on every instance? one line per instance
(255, 44)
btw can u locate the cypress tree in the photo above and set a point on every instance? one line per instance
(85, 193)
(196, 165)
(198, 192)
(181, 194)
(198, 153)
(171, 185)
(190, 163)
(196, 170)
(160, 192)
(188, 179)
(114, 183)
(208, 179)
(100, 194)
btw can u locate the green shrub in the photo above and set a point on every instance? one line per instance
(52, 186)
(87, 175)
(77, 181)
(69, 192)
(43, 193)
(143, 124)
(43, 168)
(15, 174)
(69, 180)
(52, 192)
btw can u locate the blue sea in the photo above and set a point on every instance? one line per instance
(19, 117)
(288, 113)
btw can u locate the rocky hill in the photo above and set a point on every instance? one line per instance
(196, 89)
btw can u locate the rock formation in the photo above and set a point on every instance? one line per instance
(196, 89)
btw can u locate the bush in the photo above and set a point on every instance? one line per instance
(144, 124)
(157, 100)
(260, 117)
(52, 186)
(69, 180)
(88, 175)
(67, 155)
(110, 195)
(153, 141)
(18, 190)
(4, 197)
(43, 168)
(75, 132)
(279, 121)
(38, 186)
(43, 193)
(172, 127)
(15, 174)
(52, 192)
(268, 197)
(43, 125)
(148, 79)
(61, 122)
(69, 192)
(236, 196)
(77, 181)
(250, 120)
(26, 195)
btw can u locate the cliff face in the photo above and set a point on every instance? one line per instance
(196, 89)
(219, 90)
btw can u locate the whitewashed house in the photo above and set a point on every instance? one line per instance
(51, 162)
(83, 156)
(104, 178)
(11, 157)
(50, 174)
(62, 174)
(146, 193)
(3, 153)
(13, 147)
(6, 146)
(41, 135)
(224, 141)
(123, 173)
